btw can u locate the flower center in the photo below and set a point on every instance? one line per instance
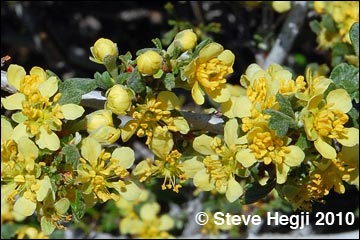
(330, 123)
(212, 73)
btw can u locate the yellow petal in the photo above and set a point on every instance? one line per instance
(166, 222)
(128, 130)
(49, 87)
(131, 192)
(19, 132)
(281, 6)
(281, 173)
(90, 150)
(221, 94)
(14, 101)
(242, 107)
(210, 51)
(227, 57)
(202, 180)
(131, 226)
(294, 157)
(197, 94)
(125, 155)
(234, 190)
(39, 72)
(201, 144)
(15, 74)
(169, 100)
(246, 157)
(28, 149)
(24, 206)
(326, 150)
(191, 167)
(149, 211)
(72, 111)
(6, 130)
(341, 100)
(48, 139)
(231, 132)
(351, 139)
(161, 143)
(62, 206)
(45, 186)
(182, 125)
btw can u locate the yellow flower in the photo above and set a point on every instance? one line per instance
(98, 119)
(106, 134)
(325, 120)
(148, 224)
(219, 166)
(100, 171)
(266, 147)
(118, 99)
(28, 232)
(149, 62)
(281, 6)
(103, 50)
(184, 40)
(207, 73)
(40, 114)
(153, 116)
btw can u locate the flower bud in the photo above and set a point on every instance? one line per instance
(149, 62)
(185, 39)
(106, 134)
(102, 49)
(98, 119)
(118, 99)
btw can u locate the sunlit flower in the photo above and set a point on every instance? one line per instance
(148, 224)
(324, 122)
(281, 6)
(98, 119)
(40, 115)
(208, 71)
(100, 171)
(106, 134)
(149, 62)
(102, 50)
(266, 147)
(27, 232)
(118, 99)
(219, 166)
(155, 115)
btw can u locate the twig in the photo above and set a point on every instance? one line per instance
(288, 34)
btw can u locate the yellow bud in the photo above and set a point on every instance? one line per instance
(98, 119)
(281, 6)
(149, 62)
(103, 48)
(185, 39)
(118, 99)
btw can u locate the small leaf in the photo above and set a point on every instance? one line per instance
(315, 26)
(254, 191)
(103, 80)
(302, 142)
(78, 206)
(328, 22)
(72, 155)
(354, 37)
(8, 231)
(157, 43)
(135, 82)
(285, 105)
(280, 122)
(169, 81)
(346, 76)
(72, 89)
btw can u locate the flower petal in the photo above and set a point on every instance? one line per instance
(202, 180)
(352, 137)
(19, 131)
(220, 94)
(197, 94)
(49, 87)
(191, 167)
(231, 132)
(72, 111)
(48, 139)
(45, 186)
(227, 57)
(15, 74)
(169, 100)
(201, 144)
(125, 155)
(242, 107)
(6, 130)
(210, 51)
(161, 143)
(128, 130)
(166, 222)
(281, 173)
(90, 150)
(326, 150)
(234, 190)
(246, 157)
(131, 192)
(14, 101)
(294, 157)
(341, 100)
(149, 211)
(182, 125)
(24, 206)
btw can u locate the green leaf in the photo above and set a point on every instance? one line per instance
(254, 191)
(169, 81)
(354, 115)
(315, 26)
(103, 80)
(122, 77)
(338, 52)
(8, 230)
(135, 81)
(328, 22)
(78, 206)
(157, 43)
(280, 122)
(302, 142)
(354, 37)
(72, 155)
(346, 76)
(72, 89)
(285, 105)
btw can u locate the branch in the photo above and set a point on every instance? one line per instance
(288, 34)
